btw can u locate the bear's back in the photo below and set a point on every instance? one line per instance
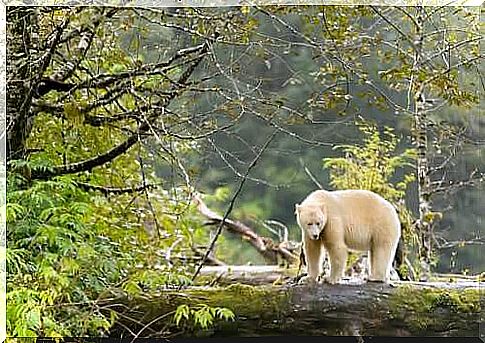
(360, 194)
(353, 194)
(354, 205)
(364, 206)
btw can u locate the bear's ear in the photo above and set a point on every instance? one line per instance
(297, 208)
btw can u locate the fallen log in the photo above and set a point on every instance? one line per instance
(249, 275)
(351, 308)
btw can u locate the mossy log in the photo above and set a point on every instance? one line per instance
(350, 308)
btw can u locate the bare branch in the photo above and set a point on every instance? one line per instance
(455, 244)
(475, 179)
(310, 175)
(233, 226)
(115, 190)
(214, 261)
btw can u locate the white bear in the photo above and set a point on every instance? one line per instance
(339, 221)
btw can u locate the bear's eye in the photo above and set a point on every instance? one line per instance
(318, 224)
(310, 224)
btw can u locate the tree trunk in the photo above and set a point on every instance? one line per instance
(420, 132)
(423, 225)
(22, 29)
(351, 308)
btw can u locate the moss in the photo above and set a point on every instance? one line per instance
(422, 309)
(241, 289)
(246, 300)
(243, 300)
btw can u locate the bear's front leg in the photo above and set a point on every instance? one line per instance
(314, 255)
(338, 259)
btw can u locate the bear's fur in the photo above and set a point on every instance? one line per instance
(339, 221)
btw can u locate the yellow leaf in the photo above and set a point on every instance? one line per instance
(245, 10)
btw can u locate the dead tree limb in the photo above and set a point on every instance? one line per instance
(269, 249)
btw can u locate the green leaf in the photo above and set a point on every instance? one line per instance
(132, 287)
(33, 319)
(182, 311)
(13, 211)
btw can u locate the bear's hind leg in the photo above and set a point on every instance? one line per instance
(381, 257)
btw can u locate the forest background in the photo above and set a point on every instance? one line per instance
(119, 116)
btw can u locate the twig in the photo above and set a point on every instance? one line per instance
(120, 149)
(231, 204)
(310, 175)
(150, 323)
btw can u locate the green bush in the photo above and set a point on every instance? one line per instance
(71, 251)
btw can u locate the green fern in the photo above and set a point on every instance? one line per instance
(201, 315)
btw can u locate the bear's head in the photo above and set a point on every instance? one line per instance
(311, 220)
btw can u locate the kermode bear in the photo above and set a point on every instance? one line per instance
(339, 221)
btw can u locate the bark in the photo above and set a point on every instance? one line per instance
(249, 275)
(114, 190)
(350, 308)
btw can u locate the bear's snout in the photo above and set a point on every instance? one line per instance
(315, 236)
